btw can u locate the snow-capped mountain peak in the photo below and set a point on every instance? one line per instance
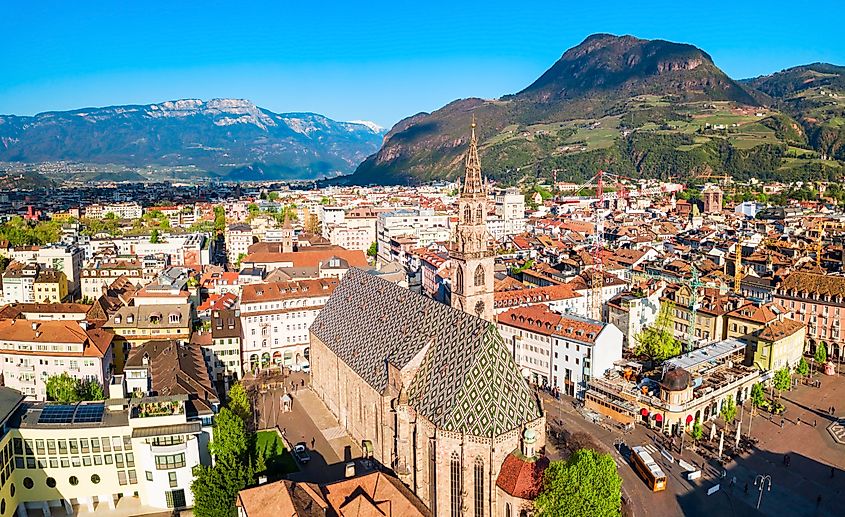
(375, 128)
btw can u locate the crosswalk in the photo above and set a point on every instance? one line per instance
(651, 449)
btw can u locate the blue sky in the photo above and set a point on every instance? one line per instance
(371, 60)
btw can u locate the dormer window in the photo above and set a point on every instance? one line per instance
(117, 319)
(130, 318)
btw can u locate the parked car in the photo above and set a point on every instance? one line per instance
(301, 453)
(305, 368)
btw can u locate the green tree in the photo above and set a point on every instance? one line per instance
(657, 341)
(63, 388)
(231, 441)
(272, 196)
(758, 395)
(372, 251)
(215, 490)
(586, 484)
(239, 403)
(241, 256)
(697, 431)
(821, 354)
(803, 367)
(154, 237)
(90, 390)
(782, 380)
(728, 411)
(219, 218)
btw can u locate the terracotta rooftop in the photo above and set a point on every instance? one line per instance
(542, 320)
(550, 293)
(812, 283)
(308, 257)
(94, 342)
(255, 293)
(780, 329)
(522, 478)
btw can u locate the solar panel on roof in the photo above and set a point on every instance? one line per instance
(58, 414)
(71, 414)
(88, 413)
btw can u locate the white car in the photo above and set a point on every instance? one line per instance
(305, 367)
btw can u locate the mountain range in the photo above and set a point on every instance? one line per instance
(635, 107)
(225, 138)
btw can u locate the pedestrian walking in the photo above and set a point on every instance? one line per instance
(781, 423)
(302, 383)
(832, 410)
(814, 422)
(798, 421)
(784, 459)
(312, 442)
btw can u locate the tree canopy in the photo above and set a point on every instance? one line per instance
(803, 367)
(821, 353)
(238, 402)
(657, 341)
(585, 484)
(68, 390)
(728, 411)
(758, 395)
(782, 379)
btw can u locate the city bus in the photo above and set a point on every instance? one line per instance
(645, 465)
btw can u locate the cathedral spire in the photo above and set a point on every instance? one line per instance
(473, 182)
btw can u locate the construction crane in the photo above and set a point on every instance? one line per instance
(738, 266)
(694, 285)
(819, 244)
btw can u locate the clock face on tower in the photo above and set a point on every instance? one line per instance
(479, 308)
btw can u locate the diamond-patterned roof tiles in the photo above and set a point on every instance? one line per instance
(467, 381)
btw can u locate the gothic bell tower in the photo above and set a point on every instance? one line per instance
(472, 252)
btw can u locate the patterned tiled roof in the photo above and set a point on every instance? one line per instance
(467, 382)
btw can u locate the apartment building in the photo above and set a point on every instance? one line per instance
(238, 238)
(818, 301)
(275, 318)
(34, 350)
(121, 210)
(223, 356)
(50, 286)
(420, 227)
(559, 350)
(99, 274)
(19, 283)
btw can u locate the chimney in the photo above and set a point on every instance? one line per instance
(34, 325)
(84, 324)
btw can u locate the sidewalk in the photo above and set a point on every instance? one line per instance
(332, 432)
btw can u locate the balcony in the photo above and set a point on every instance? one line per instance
(168, 449)
(26, 367)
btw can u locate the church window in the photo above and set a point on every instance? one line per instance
(479, 487)
(479, 214)
(468, 215)
(479, 276)
(508, 510)
(455, 475)
(459, 281)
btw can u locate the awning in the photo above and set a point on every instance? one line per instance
(658, 417)
(644, 412)
(689, 419)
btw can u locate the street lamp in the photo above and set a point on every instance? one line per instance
(760, 481)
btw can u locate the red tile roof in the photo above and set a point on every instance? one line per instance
(521, 478)
(542, 320)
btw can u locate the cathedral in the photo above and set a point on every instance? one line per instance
(430, 391)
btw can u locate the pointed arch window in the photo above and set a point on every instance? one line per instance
(479, 214)
(479, 276)
(479, 487)
(456, 483)
(468, 215)
(459, 281)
